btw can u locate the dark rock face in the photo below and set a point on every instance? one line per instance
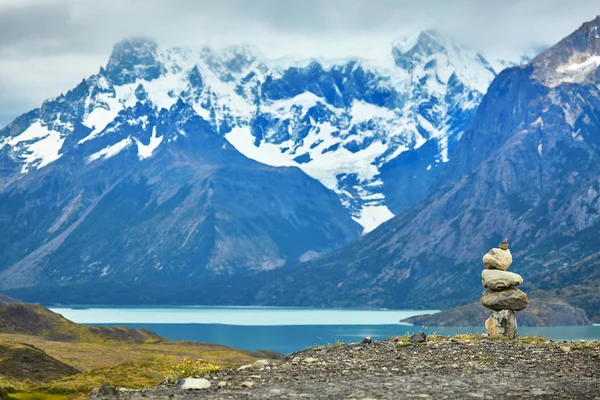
(132, 59)
(528, 168)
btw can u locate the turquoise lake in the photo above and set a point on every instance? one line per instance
(284, 329)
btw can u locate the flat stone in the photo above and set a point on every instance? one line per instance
(261, 363)
(509, 299)
(497, 259)
(247, 384)
(502, 323)
(310, 360)
(499, 280)
(193, 384)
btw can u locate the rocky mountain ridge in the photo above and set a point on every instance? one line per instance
(339, 123)
(136, 173)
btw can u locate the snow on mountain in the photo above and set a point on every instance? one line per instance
(338, 123)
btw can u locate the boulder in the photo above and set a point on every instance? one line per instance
(502, 323)
(509, 299)
(497, 259)
(499, 280)
(193, 384)
(420, 337)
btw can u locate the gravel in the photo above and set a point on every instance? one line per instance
(440, 368)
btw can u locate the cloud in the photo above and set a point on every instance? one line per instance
(48, 46)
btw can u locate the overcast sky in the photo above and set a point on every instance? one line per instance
(48, 46)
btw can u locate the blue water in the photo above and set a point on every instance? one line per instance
(285, 329)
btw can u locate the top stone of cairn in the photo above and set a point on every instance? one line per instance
(498, 258)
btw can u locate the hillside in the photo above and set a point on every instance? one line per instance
(36, 320)
(539, 312)
(22, 362)
(40, 351)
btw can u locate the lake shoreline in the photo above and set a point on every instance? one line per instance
(285, 330)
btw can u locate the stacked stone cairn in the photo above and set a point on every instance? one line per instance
(501, 294)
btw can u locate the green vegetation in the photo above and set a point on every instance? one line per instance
(190, 369)
(44, 356)
(32, 319)
(39, 396)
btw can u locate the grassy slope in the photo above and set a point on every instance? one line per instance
(122, 364)
(32, 319)
(122, 357)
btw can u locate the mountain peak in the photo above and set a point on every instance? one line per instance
(572, 59)
(428, 39)
(133, 58)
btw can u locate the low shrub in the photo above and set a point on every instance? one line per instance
(190, 369)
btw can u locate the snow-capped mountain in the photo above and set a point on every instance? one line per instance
(340, 124)
(527, 168)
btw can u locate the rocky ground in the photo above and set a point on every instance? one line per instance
(463, 367)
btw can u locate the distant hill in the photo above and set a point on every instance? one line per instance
(539, 313)
(4, 300)
(36, 320)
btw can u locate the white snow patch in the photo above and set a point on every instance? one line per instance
(202, 112)
(45, 146)
(362, 111)
(305, 100)
(145, 150)
(164, 91)
(540, 148)
(110, 151)
(443, 146)
(109, 106)
(538, 122)
(373, 216)
(591, 64)
(342, 161)
(241, 138)
(143, 120)
(325, 168)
